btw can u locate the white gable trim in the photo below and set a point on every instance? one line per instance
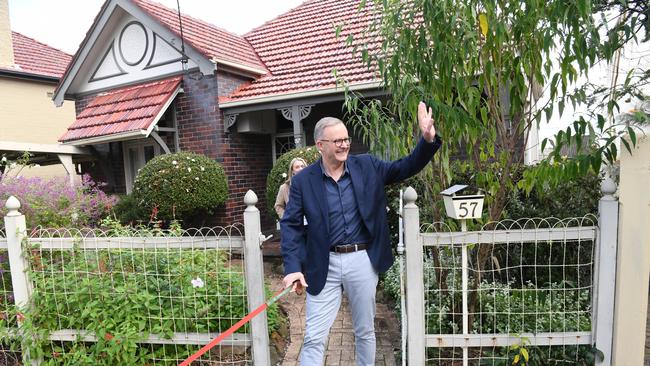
(206, 66)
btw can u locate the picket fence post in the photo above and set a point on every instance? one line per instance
(255, 280)
(415, 279)
(16, 230)
(605, 271)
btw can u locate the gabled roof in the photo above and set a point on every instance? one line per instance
(123, 113)
(300, 49)
(36, 58)
(215, 43)
(205, 44)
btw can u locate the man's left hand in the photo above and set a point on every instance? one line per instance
(426, 122)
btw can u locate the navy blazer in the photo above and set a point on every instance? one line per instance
(306, 248)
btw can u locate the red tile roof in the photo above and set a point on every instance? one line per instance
(212, 41)
(300, 49)
(129, 109)
(37, 58)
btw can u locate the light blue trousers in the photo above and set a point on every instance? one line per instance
(353, 273)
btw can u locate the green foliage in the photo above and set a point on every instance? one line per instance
(574, 198)
(121, 296)
(278, 174)
(524, 354)
(114, 228)
(181, 184)
(129, 211)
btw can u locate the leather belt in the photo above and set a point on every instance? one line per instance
(348, 248)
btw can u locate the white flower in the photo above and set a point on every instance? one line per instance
(189, 169)
(387, 208)
(309, 149)
(4, 159)
(193, 160)
(284, 175)
(196, 178)
(174, 162)
(202, 169)
(198, 283)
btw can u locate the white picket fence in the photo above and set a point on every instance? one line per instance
(186, 277)
(547, 284)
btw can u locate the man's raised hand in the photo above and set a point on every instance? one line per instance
(426, 122)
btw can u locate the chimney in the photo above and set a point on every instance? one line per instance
(6, 41)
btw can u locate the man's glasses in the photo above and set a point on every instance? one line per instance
(340, 142)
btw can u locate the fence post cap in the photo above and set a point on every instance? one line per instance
(607, 186)
(12, 206)
(250, 199)
(410, 195)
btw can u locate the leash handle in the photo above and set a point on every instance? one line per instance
(238, 325)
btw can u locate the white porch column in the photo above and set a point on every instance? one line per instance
(66, 161)
(296, 114)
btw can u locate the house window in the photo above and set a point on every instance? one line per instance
(282, 143)
(136, 155)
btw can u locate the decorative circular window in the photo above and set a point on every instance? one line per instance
(133, 43)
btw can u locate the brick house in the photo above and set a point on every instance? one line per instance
(140, 90)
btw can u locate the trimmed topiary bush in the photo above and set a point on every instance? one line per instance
(181, 184)
(278, 174)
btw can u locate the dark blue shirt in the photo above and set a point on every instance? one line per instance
(346, 225)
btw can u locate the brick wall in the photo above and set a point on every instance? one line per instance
(245, 158)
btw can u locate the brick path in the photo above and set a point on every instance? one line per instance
(340, 348)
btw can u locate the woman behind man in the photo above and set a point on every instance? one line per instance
(296, 165)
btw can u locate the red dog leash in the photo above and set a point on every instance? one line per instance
(239, 324)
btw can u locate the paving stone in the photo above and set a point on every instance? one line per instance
(340, 348)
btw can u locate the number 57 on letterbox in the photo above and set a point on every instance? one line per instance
(462, 207)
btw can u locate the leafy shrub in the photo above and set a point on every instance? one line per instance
(575, 198)
(128, 211)
(181, 184)
(54, 203)
(278, 175)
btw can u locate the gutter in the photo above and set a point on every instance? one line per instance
(304, 94)
(107, 138)
(28, 76)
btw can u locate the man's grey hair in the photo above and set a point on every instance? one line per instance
(322, 124)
